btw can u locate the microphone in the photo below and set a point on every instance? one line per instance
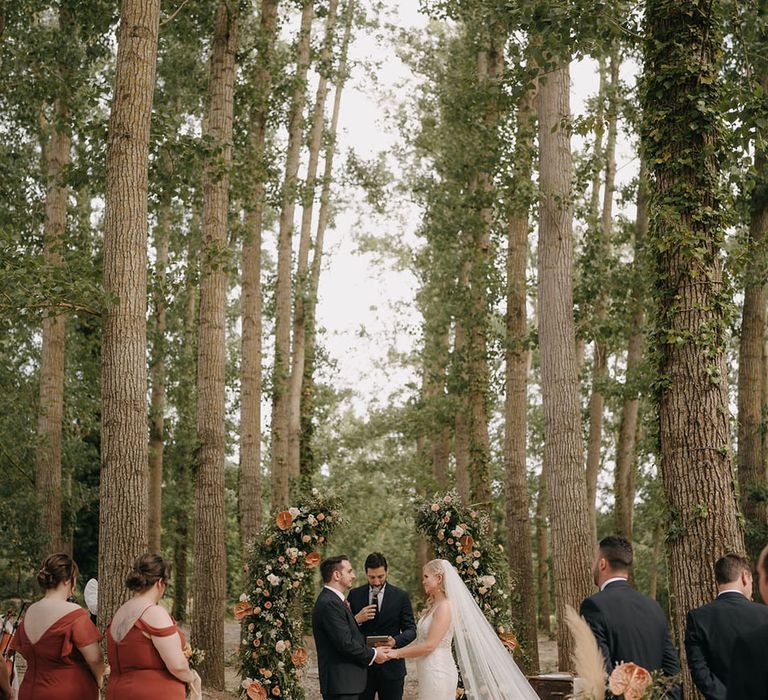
(374, 597)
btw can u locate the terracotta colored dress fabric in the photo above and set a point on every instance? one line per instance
(137, 669)
(56, 670)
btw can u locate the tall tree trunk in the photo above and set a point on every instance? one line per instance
(210, 579)
(603, 246)
(683, 47)
(157, 375)
(752, 459)
(624, 482)
(186, 432)
(542, 553)
(57, 153)
(563, 449)
(516, 395)
(655, 561)
(279, 448)
(461, 426)
(306, 458)
(305, 240)
(123, 485)
(249, 478)
(490, 65)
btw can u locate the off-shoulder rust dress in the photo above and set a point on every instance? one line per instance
(138, 672)
(56, 670)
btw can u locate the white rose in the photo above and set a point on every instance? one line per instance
(488, 580)
(244, 597)
(246, 682)
(294, 512)
(274, 580)
(280, 647)
(476, 564)
(458, 532)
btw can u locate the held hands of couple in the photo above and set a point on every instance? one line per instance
(385, 653)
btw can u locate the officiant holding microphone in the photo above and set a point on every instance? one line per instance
(383, 611)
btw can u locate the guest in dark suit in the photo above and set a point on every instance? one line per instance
(381, 609)
(342, 654)
(628, 626)
(712, 629)
(748, 673)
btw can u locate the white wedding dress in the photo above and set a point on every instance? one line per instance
(438, 675)
(487, 669)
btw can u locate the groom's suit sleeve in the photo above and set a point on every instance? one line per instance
(336, 624)
(407, 623)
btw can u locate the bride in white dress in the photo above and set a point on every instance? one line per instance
(451, 615)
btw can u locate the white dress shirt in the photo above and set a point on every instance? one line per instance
(612, 580)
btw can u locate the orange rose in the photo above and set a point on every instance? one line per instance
(242, 609)
(256, 691)
(299, 657)
(466, 543)
(284, 520)
(629, 680)
(276, 691)
(509, 641)
(312, 560)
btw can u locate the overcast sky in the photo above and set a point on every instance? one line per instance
(356, 293)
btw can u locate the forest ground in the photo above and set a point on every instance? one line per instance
(547, 654)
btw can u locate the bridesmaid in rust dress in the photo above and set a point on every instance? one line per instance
(58, 640)
(145, 648)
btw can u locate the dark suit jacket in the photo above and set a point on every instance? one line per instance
(748, 674)
(710, 633)
(394, 619)
(342, 655)
(629, 626)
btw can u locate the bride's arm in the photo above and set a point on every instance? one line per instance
(441, 621)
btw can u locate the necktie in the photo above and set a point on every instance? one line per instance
(346, 602)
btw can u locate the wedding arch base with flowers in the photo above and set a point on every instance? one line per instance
(461, 535)
(270, 612)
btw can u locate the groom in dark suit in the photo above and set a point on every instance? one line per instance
(712, 630)
(342, 654)
(383, 610)
(748, 674)
(628, 626)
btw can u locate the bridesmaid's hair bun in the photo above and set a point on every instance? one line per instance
(147, 570)
(56, 569)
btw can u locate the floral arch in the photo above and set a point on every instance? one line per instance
(270, 611)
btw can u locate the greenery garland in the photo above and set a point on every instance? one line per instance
(270, 612)
(457, 533)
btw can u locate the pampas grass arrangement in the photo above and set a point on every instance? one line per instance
(587, 660)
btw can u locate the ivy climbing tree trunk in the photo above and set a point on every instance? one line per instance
(683, 139)
(280, 374)
(210, 577)
(516, 381)
(563, 449)
(57, 156)
(249, 477)
(624, 482)
(123, 485)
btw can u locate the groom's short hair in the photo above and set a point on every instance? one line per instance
(617, 551)
(330, 565)
(375, 560)
(729, 568)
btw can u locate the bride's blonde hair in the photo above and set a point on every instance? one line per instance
(433, 567)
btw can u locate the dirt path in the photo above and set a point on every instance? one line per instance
(547, 653)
